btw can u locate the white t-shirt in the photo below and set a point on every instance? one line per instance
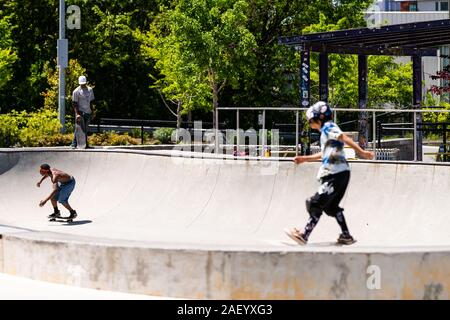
(333, 155)
(83, 97)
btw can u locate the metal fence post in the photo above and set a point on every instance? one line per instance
(237, 131)
(374, 132)
(444, 140)
(216, 139)
(296, 132)
(415, 135)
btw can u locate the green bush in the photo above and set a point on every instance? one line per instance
(23, 129)
(10, 128)
(40, 126)
(164, 135)
(111, 138)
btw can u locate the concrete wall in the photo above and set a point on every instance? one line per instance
(207, 228)
(202, 274)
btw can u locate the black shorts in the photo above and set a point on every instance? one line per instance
(330, 194)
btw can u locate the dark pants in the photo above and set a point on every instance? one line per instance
(84, 122)
(329, 196)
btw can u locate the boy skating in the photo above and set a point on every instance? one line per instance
(334, 174)
(63, 185)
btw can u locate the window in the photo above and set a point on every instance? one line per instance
(408, 6)
(441, 5)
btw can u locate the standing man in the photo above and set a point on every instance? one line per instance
(82, 98)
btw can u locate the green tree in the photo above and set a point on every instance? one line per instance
(180, 83)
(73, 71)
(35, 25)
(7, 54)
(208, 44)
(107, 48)
(276, 79)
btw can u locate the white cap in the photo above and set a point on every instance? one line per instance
(82, 80)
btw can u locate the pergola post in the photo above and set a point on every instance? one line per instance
(305, 90)
(363, 131)
(305, 78)
(417, 102)
(323, 76)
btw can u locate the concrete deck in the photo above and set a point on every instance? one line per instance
(159, 224)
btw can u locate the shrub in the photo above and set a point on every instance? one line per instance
(10, 128)
(28, 130)
(40, 126)
(111, 138)
(164, 135)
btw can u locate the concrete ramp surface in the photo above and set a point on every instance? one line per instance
(163, 202)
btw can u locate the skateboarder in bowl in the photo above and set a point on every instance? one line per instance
(63, 185)
(334, 174)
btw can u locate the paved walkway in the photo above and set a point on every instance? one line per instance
(16, 288)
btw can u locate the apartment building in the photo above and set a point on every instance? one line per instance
(414, 6)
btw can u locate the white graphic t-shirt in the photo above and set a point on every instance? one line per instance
(333, 155)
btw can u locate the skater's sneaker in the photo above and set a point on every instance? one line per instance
(345, 239)
(73, 215)
(297, 236)
(55, 215)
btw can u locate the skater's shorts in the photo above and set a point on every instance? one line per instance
(64, 191)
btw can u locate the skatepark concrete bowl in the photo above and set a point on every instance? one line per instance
(171, 224)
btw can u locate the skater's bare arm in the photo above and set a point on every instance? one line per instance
(55, 190)
(362, 153)
(40, 181)
(313, 157)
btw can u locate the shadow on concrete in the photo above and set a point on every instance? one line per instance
(75, 223)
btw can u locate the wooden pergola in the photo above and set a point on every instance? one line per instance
(417, 40)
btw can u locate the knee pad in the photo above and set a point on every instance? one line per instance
(312, 207)
(334, 212)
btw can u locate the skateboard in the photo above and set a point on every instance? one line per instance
(61, 219)
(80, 136)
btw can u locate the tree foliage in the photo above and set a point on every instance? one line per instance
(205, 44)
(148, 56)
(7, 54)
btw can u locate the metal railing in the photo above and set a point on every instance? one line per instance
(297, 111)
(439, 127)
